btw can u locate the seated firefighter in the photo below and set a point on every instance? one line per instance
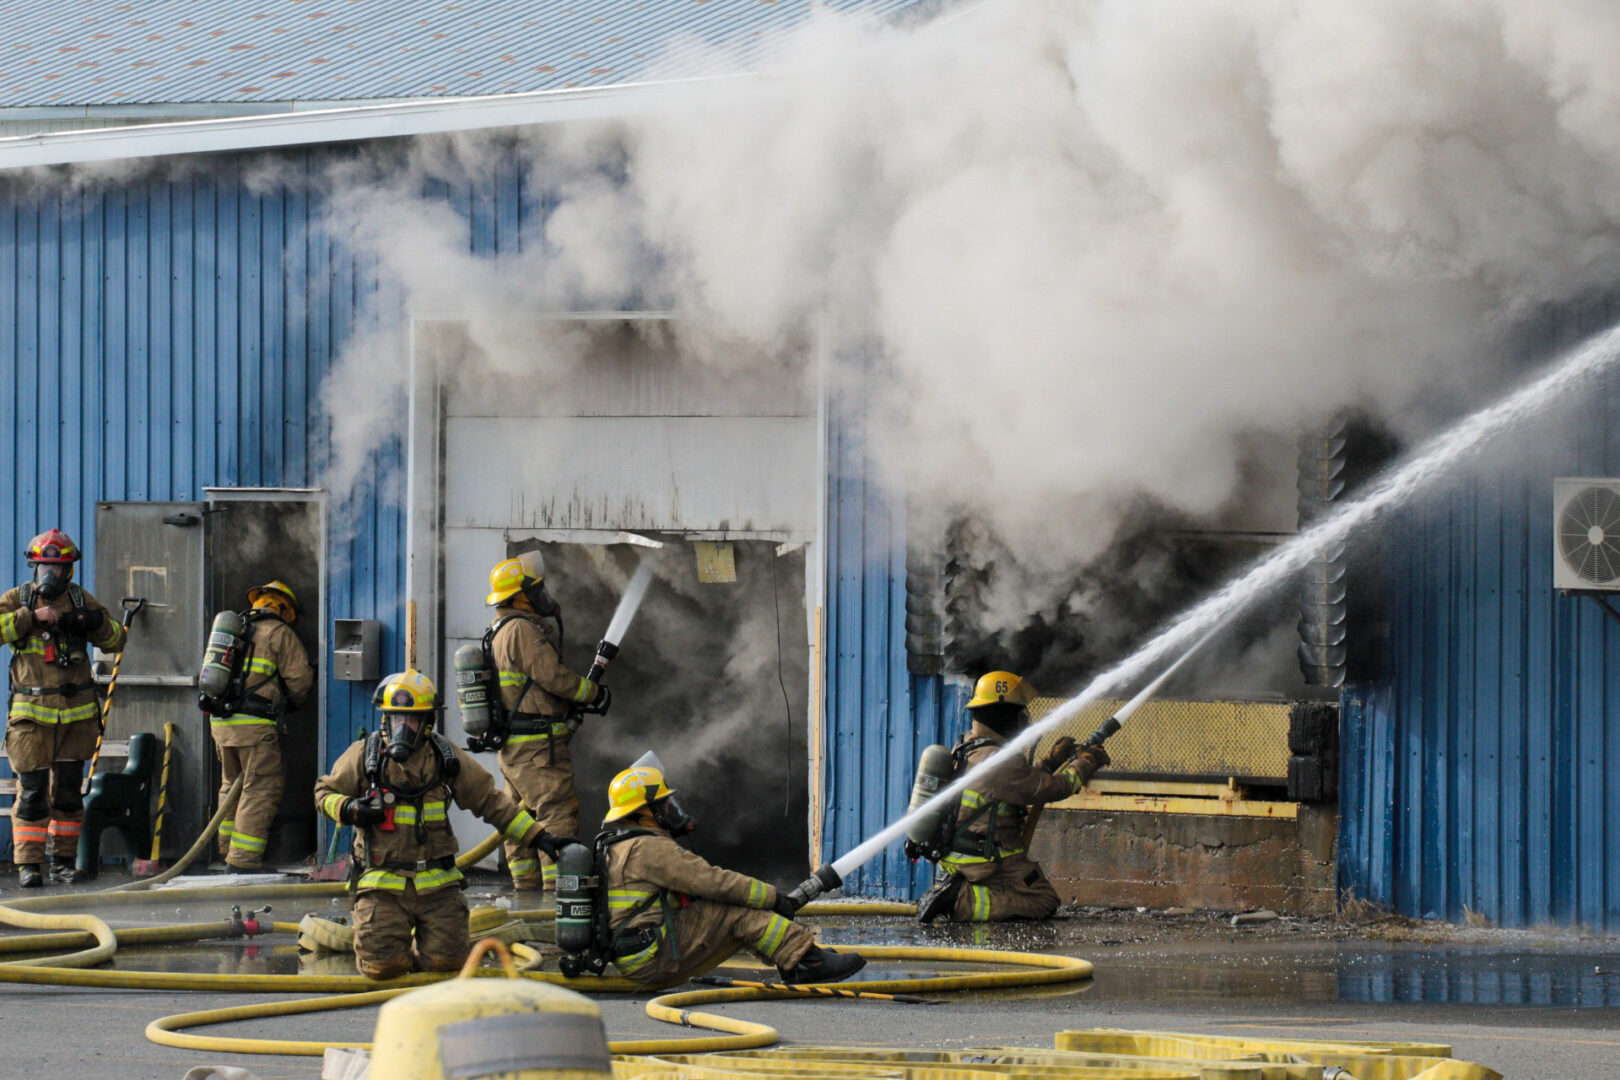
(985, 876)
(673, 915)
(395, 787)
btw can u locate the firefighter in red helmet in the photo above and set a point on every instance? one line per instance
(54, 715)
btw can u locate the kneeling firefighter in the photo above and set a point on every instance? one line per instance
(54, 716)
(254, 672)
(672, 915)
(985, 876)
(542, 700)
(395, 787)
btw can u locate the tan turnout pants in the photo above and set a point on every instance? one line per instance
(708, 931)
(1013, 888)
(397, 932)
(56, 819)
(243, 836)
(544, 786)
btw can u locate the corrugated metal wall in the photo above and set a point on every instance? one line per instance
(170, 333)
(1482, 770)
(878, 715)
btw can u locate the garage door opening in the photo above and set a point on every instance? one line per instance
(713, 677)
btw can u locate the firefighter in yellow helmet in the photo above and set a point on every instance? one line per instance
(54, 716)
(274, 678)
(674, 915)
(539, 693)
(396, 787)
(986, 876)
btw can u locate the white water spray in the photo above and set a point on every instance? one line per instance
(630, 602)
(1433, 460)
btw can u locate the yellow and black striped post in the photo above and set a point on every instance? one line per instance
(163, 793)
(132, 604)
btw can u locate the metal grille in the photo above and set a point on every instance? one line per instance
(1243, 739)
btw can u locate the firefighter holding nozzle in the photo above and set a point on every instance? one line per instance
(984, 873)
(396, 787)
(673, 915)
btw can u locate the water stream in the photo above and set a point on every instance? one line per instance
(630, 602)
(1431, 461)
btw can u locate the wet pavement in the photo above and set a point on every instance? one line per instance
(1531, 1005)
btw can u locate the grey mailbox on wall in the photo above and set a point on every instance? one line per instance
(356, 652)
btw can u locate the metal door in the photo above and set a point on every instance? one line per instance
(155, 550)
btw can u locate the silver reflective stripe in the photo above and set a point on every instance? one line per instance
(493, 1045)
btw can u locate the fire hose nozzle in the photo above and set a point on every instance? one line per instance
(813, 886)
(1098, 737)
(605, 652)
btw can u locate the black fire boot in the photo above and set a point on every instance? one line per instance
(823, 965)
(64, 870)
(940, 899)
(28, 876)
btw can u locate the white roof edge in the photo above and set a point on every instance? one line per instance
(386, 121)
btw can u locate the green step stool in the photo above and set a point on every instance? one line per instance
(122, 801)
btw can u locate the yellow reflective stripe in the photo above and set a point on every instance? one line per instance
(246, 842)
(548, 872)
(23, 709)
(981, 903)
(261, 666)
(515, 739)
(586, 689)
(382, 879)
(520, 867)
(513, 678)
(626, 898)
(433, 811)
(520, 826)
(629, 965)
(237, 721)
(332, 805)
(435, 879)
(30, 647)
(771, 939)
(404, 815)
(972, 800)
(756, 895)
(226, 829)
(8, 627)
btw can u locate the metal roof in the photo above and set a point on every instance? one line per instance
(103, 52)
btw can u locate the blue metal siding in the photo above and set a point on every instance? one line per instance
(879, 716)
(1479, 772)
(170, 334)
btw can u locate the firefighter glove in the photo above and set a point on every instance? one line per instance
(80, 623)
(1061, 752)
(913, 850)
(362, 813)
(600, 704)
(1095, 757)
(551, 845)
(785, 905)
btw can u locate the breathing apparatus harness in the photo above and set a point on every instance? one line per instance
(59, 645)
(584, 914)
(484, 715)
(950, 835)
(235, 650)
(387, 797)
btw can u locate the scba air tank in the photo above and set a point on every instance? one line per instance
(226, 640)
(576, 899)
(934, 771)
(473, 693)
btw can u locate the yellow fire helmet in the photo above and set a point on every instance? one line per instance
(635, 787)
(512, 576)
(277, 596)
(406, 692)
(1001, 688)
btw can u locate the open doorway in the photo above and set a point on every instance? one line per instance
(713, 677)
(255, 537)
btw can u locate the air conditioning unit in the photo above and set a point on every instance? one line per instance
(1586, 534)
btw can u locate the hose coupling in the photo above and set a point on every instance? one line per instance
(248, 925)
(605, 652)
(821, 881)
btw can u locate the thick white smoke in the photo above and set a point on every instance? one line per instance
(1098, 244)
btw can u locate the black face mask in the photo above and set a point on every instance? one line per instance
(402, 741)
(669, 814)
(542, 603)
(51, 579)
